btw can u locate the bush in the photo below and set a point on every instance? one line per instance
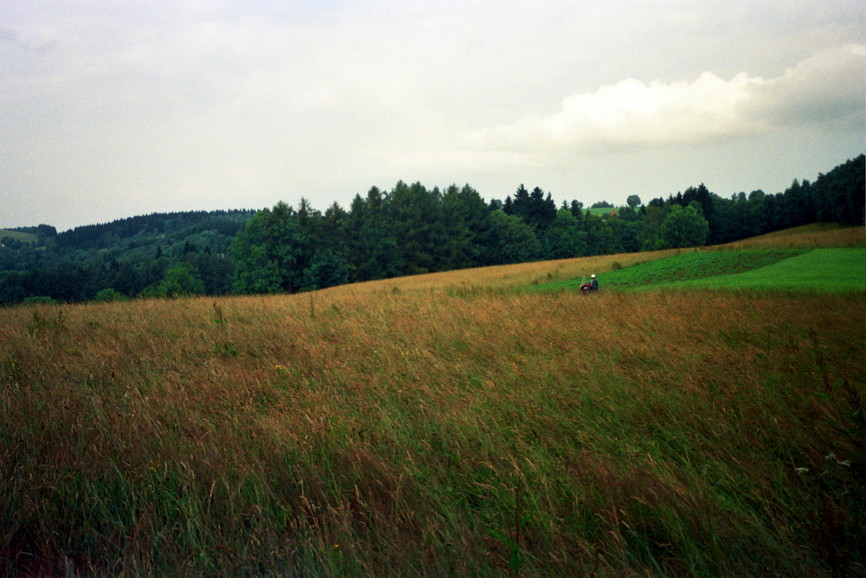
(109, 294)
(40, 300)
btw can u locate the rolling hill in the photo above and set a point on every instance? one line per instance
(443, 424)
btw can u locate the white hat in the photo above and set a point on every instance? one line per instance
(592, 276)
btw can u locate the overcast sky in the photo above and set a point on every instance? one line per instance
(110, 108)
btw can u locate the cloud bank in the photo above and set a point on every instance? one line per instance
(825, 88)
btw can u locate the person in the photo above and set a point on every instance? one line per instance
(587, 288)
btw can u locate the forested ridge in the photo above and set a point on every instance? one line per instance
(408, 230)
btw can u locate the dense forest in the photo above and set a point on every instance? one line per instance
(160, 254)
(408, 230)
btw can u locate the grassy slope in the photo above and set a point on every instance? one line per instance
(819, 235)
(786, 260)
(823, 270)
(602, 211)
(437, 425)
(817, 270)
(677, 268)
(23, 237)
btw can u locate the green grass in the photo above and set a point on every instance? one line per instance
(19, 236)
(832, 270)
(602, 211)
(823, 270)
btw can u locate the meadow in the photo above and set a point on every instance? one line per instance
(816, 258)
(19, 236)
(816, 270)
(448, 424)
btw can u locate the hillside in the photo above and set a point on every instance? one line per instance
(19, 236)
(815, 236)
(409, 230)
(440, 424)
(812, 258)
(128, 257)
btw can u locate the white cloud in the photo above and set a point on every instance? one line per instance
(631, 112)
(824, 88)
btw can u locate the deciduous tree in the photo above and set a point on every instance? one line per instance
(270, 252)
(683, 227)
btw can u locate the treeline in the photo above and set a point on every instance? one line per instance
(412, 229)
(408, 230)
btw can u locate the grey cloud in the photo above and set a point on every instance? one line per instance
(197, 104)
(825, 88)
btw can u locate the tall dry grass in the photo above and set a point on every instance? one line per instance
(808, 236)
(437, 425)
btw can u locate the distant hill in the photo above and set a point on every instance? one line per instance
(153, 228)
(126, 256)
(19, 236)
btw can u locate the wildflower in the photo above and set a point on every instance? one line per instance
(832, 456)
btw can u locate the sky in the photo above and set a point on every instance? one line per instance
(111, 109)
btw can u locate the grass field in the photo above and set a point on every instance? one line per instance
(601, 211)
(19, 236)
(822, 258)
(819, 235)
(821, 270)
(439, 425)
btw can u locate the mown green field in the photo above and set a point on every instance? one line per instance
(822, 270)
(832, 270)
